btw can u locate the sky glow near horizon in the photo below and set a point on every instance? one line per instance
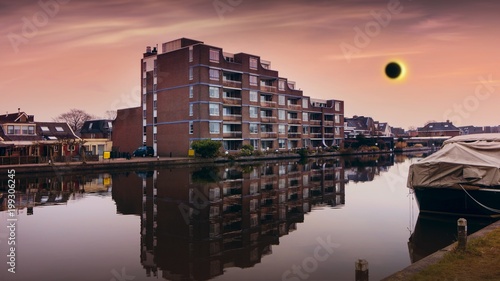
(60, 54)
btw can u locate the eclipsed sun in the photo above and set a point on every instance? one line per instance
(395, 70)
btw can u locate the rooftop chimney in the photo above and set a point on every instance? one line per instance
(148, 49)
(18, 110)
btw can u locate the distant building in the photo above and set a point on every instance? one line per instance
(96, 135)
(127, 129)
(383, 129)
(360, 125)
(20, 135)
(433, 129)
(193, 91)
(468, 130)
(398, 132)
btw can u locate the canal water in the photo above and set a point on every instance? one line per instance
(277, 220)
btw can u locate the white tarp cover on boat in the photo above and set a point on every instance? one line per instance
(470, 159)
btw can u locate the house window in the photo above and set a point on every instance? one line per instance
(214, 55)
(281, 100)
(24, 130)
(10, 130)
(71, 147)
(214, 92)
(214, 109)
(190, 109)
(214, 74)
(191, 127)
(254, 112)
(305, 103)
(253, 96)
(214, 128)
(59, 129)
(190, 73)
(31, 130)
(254, 128)
(253, 80)
(56, 148)
(44, 128)
(281, 85)
(281, 129)
(305, 116)
(281, 114)
(191, 90)
(253, 63)
(17, 130)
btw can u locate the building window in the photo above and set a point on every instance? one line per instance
(214, 74)
(191, 127)
(253, 80)
(190, 109)
(305, 116)
(191, 54)
(214, 92)
(281, 114)
(144, 82)
(191, 90)
(155, 137)
(337, 131)
(281, 143)
(144, 113)
(214, 109)
(253, 96)
(59, 129)
(144, 129)
(144, 66)
(281, 85)
(31, 130)
(214, 128)
(71, 148)
(155, 120)
(305, 103)
(281, 129)
(254, 143)
(44, 128)
(305, 130)
(190, 73)
(155, 70)
(214, 55)
(154, 87)
(281, 100)
(253, 63)
(254, 128)
(337, 118)
(254, 112)
(10, 130)
(17, 130)
(337, 106)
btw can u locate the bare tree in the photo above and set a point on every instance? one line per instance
(75, 118)
(110, 114)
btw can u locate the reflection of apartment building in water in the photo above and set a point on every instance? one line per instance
(193, 91)
(197, 222)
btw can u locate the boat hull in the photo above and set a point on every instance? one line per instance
(458, 202)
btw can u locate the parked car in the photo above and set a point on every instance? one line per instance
(144, 151)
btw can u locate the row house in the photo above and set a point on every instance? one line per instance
(20, 135)
(438, 129)
(193, 91)
(96, 135)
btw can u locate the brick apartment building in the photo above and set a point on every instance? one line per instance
(193, 91)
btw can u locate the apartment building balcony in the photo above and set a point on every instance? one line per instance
(233, 134)
(231, 83)
(314, 122)
(328, 123)
(295, 135)
(269, 89)
(231, 117)
(268, 135)
(268, 119)
(231, 100)
(268, 104)
(329, 135)
(294, 121)
(316, 135)
(295, 106)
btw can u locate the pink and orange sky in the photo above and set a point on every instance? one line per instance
(63, 54)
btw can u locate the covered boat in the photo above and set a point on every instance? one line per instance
(463, 177)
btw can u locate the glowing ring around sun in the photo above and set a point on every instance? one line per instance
(395, 70)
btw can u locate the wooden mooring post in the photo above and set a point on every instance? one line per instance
(361, 273)
(462, 234)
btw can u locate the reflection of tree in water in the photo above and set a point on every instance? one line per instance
(208, 174)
